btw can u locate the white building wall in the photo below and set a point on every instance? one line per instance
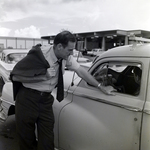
(21, 43)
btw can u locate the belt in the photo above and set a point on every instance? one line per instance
(38, 92)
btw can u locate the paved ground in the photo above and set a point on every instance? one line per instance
(8, 137)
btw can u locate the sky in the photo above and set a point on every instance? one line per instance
(36, 18)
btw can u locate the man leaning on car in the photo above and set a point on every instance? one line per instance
(34, 78)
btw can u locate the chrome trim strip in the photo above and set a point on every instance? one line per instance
(135, 109)
(6, 101)
(147, 112)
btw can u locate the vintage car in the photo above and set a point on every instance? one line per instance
(88, 119)
(9, 57)
(95, 52)
(85, 62)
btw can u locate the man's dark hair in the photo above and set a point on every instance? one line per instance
(64, 37)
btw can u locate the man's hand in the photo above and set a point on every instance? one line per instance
(107, 90)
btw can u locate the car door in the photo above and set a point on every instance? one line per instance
(94, 120)
(71, 80)
(145, 133)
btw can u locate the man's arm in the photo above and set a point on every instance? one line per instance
(92, 81)
(87, 76)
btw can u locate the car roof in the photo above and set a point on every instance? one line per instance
(10, 51)
(134, 50)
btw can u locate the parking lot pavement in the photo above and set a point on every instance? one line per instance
(8, 137)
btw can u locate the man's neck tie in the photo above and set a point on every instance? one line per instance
(60, 85)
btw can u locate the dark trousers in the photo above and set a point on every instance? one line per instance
(32, 109)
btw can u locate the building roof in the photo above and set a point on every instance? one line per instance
(117, 32)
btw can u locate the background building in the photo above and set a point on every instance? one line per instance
(19, 43)
(85, 41)
(103, 39)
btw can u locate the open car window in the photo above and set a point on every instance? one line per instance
(124, 77)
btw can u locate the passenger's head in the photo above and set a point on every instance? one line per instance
(137, 74)
(64, 43)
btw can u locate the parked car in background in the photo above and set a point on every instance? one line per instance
(88, 119)
(10, 57)
(83, 61)
(95, 51)
(13, 55)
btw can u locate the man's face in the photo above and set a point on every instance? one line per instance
(68, 50)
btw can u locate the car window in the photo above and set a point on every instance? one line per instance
(124, 77)
(15, 57)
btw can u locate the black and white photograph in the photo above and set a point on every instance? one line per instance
(74, 75)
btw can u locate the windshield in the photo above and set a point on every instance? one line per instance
(14, 58)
